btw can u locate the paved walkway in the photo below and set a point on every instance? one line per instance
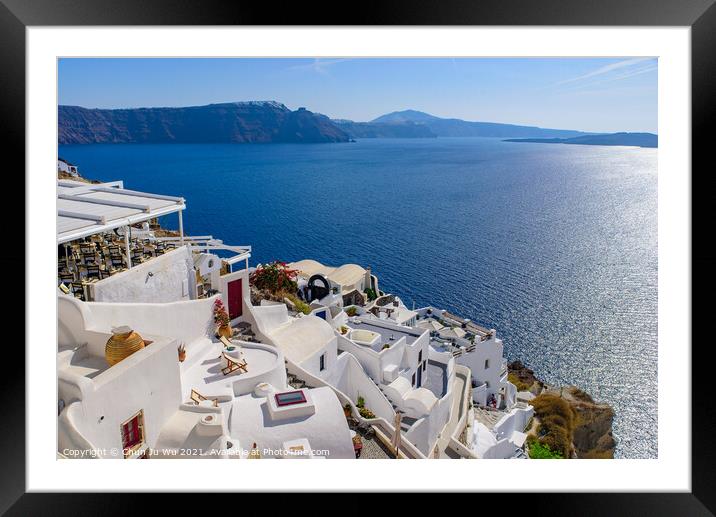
(458, 407)
(373, 449)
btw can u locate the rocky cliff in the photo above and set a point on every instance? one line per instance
(236, 122)
(568, 418)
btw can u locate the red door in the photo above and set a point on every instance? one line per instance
(235, 298)
(132, 434)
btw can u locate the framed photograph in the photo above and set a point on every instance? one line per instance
(459, 232)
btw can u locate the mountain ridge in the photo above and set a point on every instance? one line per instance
(272, 122)
(236, 122)
(459, 127)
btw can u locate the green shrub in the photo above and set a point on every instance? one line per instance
(300, 305)
(370, 293)
(539, 451)
(360, 402)
(352, 310)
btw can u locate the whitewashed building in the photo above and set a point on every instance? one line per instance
(66, 167)
(156, 402)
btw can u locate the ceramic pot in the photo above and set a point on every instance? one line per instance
(123, 343)
(225, 330)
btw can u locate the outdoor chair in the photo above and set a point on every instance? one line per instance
(78, 290)
(233, 365)
(67, 276)
(92, 271)
(198, 397)
(224, 340)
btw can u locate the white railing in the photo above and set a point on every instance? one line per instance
(206, 242)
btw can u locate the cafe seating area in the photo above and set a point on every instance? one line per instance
(89, 260)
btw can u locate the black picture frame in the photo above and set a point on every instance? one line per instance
(700, 15)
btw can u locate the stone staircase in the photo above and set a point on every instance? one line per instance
(244, 331)
(406, 422)
(488, 417)
(296, 382)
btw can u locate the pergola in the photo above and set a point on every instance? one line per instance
(85, 209)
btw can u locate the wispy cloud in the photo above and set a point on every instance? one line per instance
(606, 69)
(319, 65)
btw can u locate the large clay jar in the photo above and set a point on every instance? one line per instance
(123, 343)
(225, 330)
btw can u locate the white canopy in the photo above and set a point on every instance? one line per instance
(345, 275)
(86, 209)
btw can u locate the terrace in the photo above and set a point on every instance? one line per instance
(104, 229)
(204, 373)
(379, 336)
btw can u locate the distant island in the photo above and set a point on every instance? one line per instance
(457, 127)
(378, 130)
(273, 122)
(628, 139)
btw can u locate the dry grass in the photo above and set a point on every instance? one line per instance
(557, 421)
(514, 379)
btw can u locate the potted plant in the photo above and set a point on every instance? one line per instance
(366, 413)
(344, 330)
(182, 352)
(347, 410)
(221, 319)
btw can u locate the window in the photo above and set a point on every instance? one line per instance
(413, 380)
(133, 433)
(321, 314)
(288, 398)
(425, 365)
(420, 357)
(487, 364)
(487, 384)
(322, 361)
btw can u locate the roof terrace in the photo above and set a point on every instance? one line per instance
(387, 335)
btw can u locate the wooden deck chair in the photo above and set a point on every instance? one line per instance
(225, 341)
(198, 397)
(233, 365)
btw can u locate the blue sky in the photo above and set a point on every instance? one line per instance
(589, 94)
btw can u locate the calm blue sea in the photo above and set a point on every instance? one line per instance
(555, 246)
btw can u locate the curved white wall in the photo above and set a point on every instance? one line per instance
(185, 321)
